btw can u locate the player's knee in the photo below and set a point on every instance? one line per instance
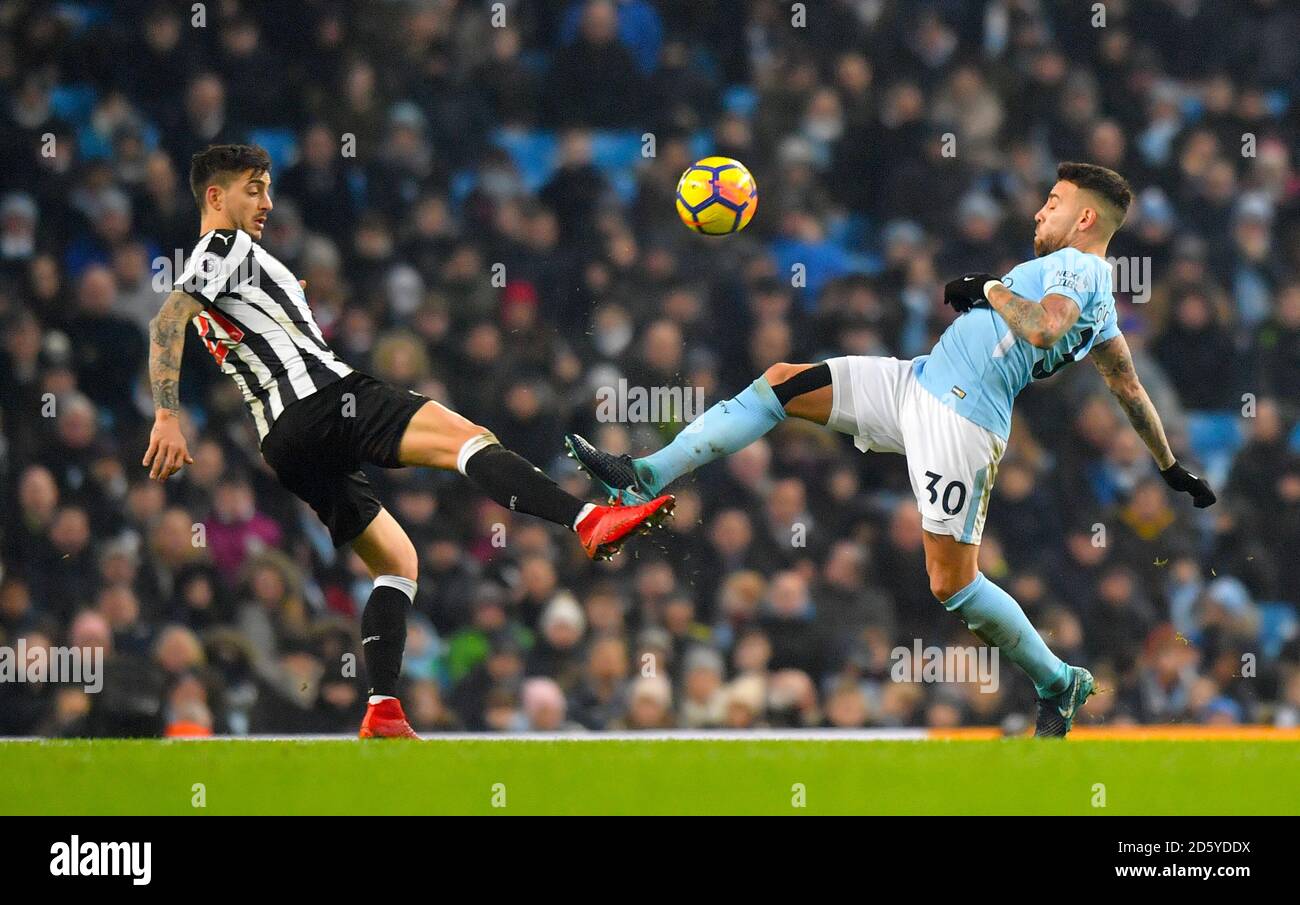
(449, 448)
(405, 562)
(460, 434)
(781, 372)
(944, 584)
(467, 443)
(392, 554)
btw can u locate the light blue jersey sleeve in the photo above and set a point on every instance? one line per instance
(1087, 280)
(979, 364)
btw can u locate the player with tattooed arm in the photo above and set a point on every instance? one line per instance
(949, 413)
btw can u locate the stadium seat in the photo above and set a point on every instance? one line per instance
(73, 103)
(461, 184)
(533, 152)
(1278, 624)
(741, 100)
(281, 144)
(611, 150)
(1215, 438)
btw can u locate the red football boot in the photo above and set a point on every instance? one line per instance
(386, 720)
(605, 528)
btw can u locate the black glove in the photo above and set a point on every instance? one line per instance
(967, 292)
(1184, 481)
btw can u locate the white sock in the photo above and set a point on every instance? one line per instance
(405, 585)
(473, 445)
(376, 698)
(582, 514)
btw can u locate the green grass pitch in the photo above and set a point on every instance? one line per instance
(749, 776)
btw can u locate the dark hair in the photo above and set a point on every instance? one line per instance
(218, 163)
(1109, 185)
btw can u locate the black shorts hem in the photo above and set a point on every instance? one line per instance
(342, 536)
(391, 457)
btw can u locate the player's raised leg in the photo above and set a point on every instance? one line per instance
(997, 619)
(799, 390)
(437, 437)
(390, 557)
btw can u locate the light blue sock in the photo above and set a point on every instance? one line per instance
(995, 618)
(726, 427)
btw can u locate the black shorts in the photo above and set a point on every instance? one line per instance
(317, 445)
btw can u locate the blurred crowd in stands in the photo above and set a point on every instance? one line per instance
(480, 198)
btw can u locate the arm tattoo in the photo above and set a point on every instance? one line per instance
(1031, 321)
(1024, 317)
(1115, 368)
(1146, 421)
(1115, 364)
(166, 343)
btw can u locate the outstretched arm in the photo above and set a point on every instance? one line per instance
(1114, 362)
(167, 450)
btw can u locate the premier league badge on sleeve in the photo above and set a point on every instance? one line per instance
(209, 265)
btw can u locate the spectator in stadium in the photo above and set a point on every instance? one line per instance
(544, 708)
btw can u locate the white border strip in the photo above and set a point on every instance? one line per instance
(671, 735)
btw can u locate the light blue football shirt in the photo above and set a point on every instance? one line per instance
(979, 364)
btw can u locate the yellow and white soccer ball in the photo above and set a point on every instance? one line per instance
(717, 196)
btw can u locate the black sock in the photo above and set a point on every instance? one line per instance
(383, 638)
(518, 484)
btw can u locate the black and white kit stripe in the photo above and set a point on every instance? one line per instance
(257, 325)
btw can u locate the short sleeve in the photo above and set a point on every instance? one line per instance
(1068, 275)
(1109, 329)
(217, 257)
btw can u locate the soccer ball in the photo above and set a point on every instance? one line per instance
(717, 196)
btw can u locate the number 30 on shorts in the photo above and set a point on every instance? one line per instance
(954, 495)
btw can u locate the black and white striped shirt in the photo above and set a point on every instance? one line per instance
(257, 325)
